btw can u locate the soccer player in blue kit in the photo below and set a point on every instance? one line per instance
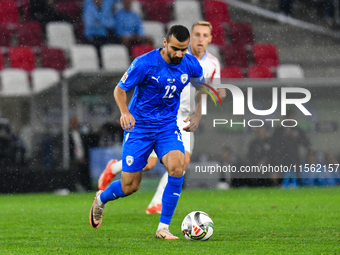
(158, 78)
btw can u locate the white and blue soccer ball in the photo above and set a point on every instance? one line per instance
(197, 225)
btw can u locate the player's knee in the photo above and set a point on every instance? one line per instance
(130, 185)
(176, 170)
(134, 188)
(130, 189)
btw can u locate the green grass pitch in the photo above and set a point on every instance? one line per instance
(247, 221)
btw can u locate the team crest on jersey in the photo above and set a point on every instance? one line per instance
(124, 77)
(129, 160)
(184, 78)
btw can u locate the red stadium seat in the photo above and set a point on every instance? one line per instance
(30, 34)
(22, 57)
(265, 54)
(2, 60)
(231, 72)
(9, 13)
(260, 72)
(158, 10)
(216, 11)
(140, 49)
(70, 8)
(5, 36)
(241, 33)
(218, 34)
(53, 58)
(236, 55)
(24, 9)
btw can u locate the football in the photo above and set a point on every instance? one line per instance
(197, 225)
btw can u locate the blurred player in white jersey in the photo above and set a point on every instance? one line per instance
(200, 37)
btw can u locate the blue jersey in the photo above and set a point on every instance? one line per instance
(158, 86)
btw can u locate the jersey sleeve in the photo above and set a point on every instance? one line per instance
(133, 76)
(197, 70)
(197, 76)
(215, 78)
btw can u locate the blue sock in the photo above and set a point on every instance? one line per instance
(113, 192)
(170, 198)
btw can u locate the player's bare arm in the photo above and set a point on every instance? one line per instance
(127, 121)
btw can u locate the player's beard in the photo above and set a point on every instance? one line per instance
(174, 60)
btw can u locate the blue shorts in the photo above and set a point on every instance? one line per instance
(138, 146)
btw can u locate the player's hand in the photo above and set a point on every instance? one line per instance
(187, 128)
(221, 92)
(127, 121)
(193, 120)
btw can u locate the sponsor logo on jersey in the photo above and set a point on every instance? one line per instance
(184, 78)
(129, 160)
(154, 78)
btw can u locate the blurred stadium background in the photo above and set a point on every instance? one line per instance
(49, 76)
